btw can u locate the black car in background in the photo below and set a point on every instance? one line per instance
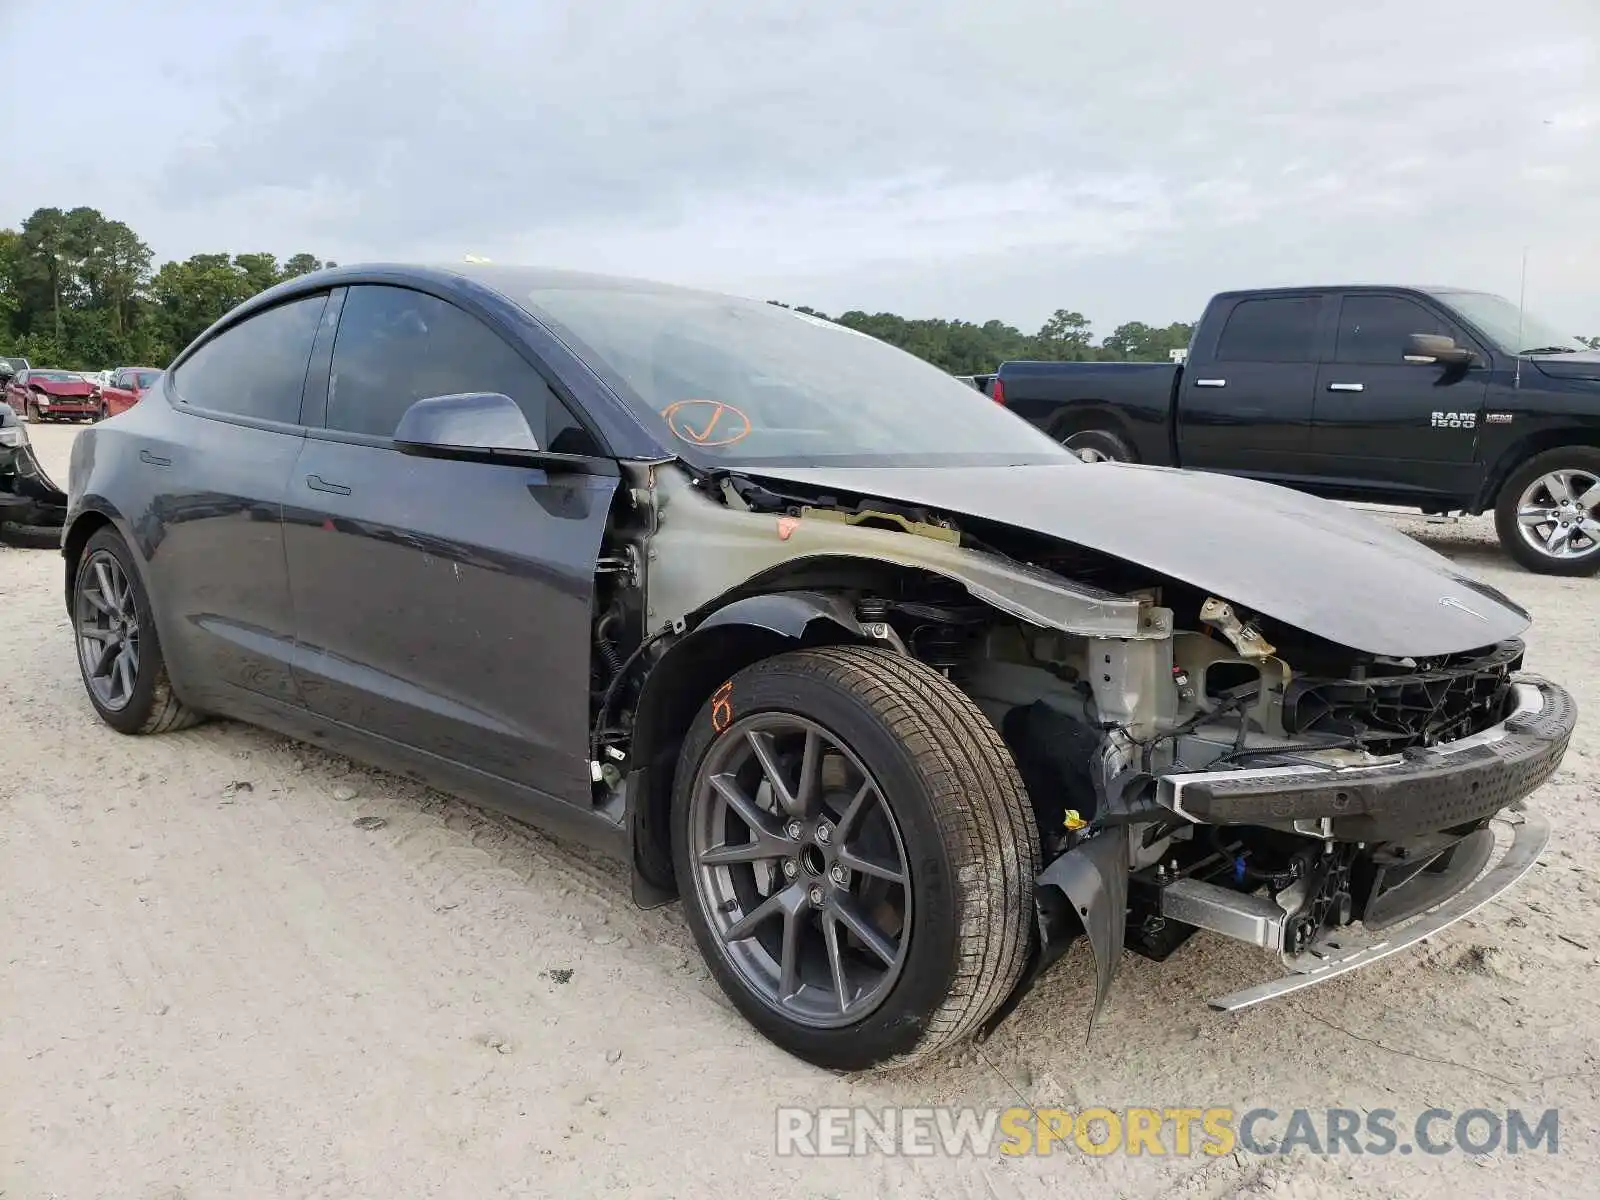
(899, 695)
(1442, 399)
(32, 508)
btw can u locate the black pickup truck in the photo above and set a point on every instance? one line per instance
(1441, 399)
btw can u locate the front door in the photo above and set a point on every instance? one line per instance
(444, 605)
(1381, 420)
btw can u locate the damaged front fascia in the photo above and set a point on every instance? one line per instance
(701, 549)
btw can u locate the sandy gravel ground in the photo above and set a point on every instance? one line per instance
(237, 967)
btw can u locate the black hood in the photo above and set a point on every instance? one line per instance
(1585, 364)
(1313, 564)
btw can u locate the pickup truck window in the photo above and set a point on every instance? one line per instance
(1272, 329)
(1373, 329)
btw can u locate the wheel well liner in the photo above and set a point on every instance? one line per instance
(1538, 443)
(83, 528)
(728, 640)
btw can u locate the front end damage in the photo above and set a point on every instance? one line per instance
(32, 508)
(1191, 765)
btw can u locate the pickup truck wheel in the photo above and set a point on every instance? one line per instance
(1098, 445)
(856, 855)
(119, 652)
(1548, 512)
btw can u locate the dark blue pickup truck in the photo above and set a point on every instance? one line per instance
(1441, 399)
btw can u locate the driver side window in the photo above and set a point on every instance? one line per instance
(396, 346)
(1374, 329)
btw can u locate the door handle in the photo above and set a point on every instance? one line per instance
(155, 460)
(1211, 383)
(1347, 387)
(318, 484)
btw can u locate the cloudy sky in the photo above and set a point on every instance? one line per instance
(933, 157)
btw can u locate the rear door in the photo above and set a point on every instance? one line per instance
(1381, 419)
(1245, 401)
(445, 605)
(215, 531)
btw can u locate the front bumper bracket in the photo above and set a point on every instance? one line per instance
(1340, 951)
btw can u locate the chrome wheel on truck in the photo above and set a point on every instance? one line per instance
(1098, 445)
(1548, 516)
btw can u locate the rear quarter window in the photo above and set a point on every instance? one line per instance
(1271, 329)
(256, 368)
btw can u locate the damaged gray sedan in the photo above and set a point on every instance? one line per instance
(898, 696)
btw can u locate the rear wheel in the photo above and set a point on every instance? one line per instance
(1548, 512)
(119, 652)
(856, 855)
(1098, 445)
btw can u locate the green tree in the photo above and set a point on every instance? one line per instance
(1066, 336)
(1137, 342)
(302, 264)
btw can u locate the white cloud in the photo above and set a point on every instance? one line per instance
(968, 159)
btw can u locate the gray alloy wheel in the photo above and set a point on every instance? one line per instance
(107, 621)
(1558, 514)
(801, 870)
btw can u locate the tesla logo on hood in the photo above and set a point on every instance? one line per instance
(1452, 602)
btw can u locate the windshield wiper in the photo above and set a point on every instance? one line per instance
(1550, 350)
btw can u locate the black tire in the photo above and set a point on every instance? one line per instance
(30, 537)
(151, 705)
(1098, 445)
(969, 846)
(1584, 461)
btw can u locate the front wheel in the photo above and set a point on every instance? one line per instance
(1548, 512)
(119, 653)
(856, 855)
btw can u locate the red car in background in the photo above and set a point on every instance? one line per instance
(44, 394)
(126, 386)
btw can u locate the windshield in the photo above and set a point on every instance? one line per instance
(733, 382)
(1510, 330)
(55, 376)
(144, 379)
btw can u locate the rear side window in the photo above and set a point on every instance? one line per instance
(1373, 329)
(1275, 329)
(258, 367)
(396, 346)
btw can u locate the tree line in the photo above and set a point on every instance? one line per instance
(966, 348)
(80, 291)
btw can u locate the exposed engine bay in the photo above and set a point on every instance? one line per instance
(1191, 764)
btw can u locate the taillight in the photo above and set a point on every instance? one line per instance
(998, 392)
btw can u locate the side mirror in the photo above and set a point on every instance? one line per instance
(471, 426)
(1437, 348)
